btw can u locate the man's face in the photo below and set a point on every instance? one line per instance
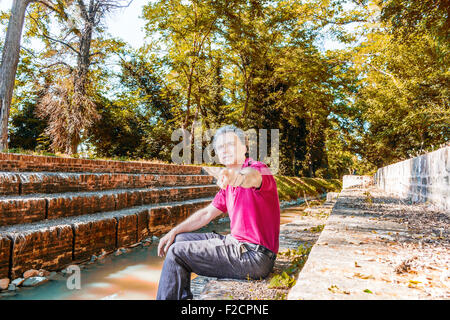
(230, 149)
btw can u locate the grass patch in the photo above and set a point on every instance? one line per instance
(292, 188)
(316, 229)
(286, 278)
(369, 198)
(30, 152)
(80, 156)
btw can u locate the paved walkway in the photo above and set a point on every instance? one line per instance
(375, 246)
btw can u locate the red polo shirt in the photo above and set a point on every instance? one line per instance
(254, 213)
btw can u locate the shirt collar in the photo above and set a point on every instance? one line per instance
(247, 162)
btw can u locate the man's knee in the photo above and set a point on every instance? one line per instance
(181, 237)
(170, 253)
(176, 255)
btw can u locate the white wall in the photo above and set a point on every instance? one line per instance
(420, 179)
(352, 181)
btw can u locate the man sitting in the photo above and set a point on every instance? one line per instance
(249, 195)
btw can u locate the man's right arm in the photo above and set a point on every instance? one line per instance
(197, 220)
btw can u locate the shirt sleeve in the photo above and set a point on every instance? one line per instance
(220, 201)
(268, 181)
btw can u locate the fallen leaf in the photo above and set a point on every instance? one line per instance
(363, 276)
(335, 289)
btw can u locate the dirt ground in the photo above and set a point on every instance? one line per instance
(419, 258)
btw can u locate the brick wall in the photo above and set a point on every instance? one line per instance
(19, 163)
(54, 245)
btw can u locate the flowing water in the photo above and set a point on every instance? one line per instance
(131, 275)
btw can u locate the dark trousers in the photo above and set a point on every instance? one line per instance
(211, 255)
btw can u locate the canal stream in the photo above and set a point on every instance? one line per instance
(133, 275)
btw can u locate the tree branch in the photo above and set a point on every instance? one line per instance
(46, 4)
(29, 51)
(82, 7)
(95, 53)
(61, 42)
(55, 40)
(55, 64)
(386, 74)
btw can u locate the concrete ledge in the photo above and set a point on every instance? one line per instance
(349, 259)
(353, 181)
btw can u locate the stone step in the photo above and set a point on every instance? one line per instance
(37, 207)
(54, 244)
(5, 252)
(20, 163)
(22, 183)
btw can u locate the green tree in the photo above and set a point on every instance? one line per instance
(138, 120)
(403, 85)
(186, 29)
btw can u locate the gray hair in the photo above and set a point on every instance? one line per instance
(229, 128)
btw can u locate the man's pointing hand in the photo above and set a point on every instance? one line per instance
(229, 177)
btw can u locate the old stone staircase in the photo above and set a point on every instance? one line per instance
(58, 211)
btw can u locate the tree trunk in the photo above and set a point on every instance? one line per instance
(185, 124)
(8, 67)
(188, 102)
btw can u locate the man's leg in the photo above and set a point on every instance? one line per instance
(175, 280)
(216, 257)
(194, 236)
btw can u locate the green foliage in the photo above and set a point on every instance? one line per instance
(317, 229)
(297, 257)
(403, 89)
(139, 120)
(25, 128)
(281, 281)
(414, 17)
(29, 152)
(254, 64)
(257, 64)
(292, 188)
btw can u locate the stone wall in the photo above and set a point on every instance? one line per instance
(420, 179)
